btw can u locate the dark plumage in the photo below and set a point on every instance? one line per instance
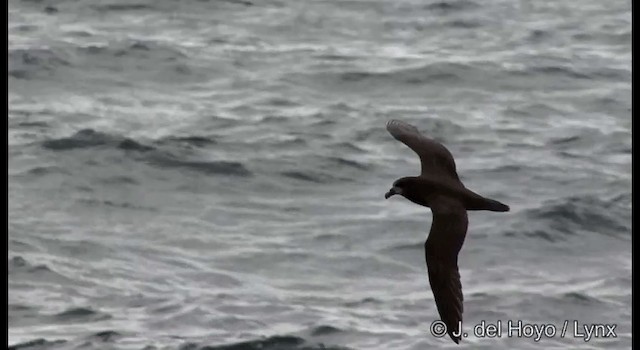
(439, 188)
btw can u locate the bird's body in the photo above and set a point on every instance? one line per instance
(438, 187)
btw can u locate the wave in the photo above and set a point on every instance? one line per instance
(120, 180)
(107, 336)
(341, 162)
(39, 343)
(20, 268)
(327, 169)
(122, 7)
(206, 167)
(330, 170)
(437, 72)
(17, 313)
(278, 342)
(35, 62)
(304, 176)
(19, 264)
(535, 109)
(554, 74)
(452, 6)
(587, 212)
(88, 138)
(108, 203)
(556, 220)
(46, 170)
(133, 59)
(165, 153)
(365, 301)
(80, 314)
(270, 343)
(144, 60)
(464, 24)
(580, 298)
(33, 124)
(471, 74)
(623, 37)
(191, 141)
(325, 330)
(573, 72)
(141, 49)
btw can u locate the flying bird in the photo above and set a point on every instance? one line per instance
(438, 187)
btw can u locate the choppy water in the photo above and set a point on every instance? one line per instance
(210, 174)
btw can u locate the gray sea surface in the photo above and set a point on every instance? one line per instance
(211, 174)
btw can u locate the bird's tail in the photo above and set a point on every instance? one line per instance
(493, 205)
(477, 202)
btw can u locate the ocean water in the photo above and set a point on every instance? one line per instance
(210, 174)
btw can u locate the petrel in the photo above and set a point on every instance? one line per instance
(438, 187)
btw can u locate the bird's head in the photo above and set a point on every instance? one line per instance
(401, 186)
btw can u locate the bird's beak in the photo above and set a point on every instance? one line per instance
(392, 191)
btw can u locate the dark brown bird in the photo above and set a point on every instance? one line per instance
(439, 188)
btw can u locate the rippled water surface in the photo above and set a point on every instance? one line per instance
(210, 174)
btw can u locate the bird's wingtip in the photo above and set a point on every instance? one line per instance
(391, 122)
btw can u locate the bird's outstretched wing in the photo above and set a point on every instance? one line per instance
(445, 240)
(435, 159)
